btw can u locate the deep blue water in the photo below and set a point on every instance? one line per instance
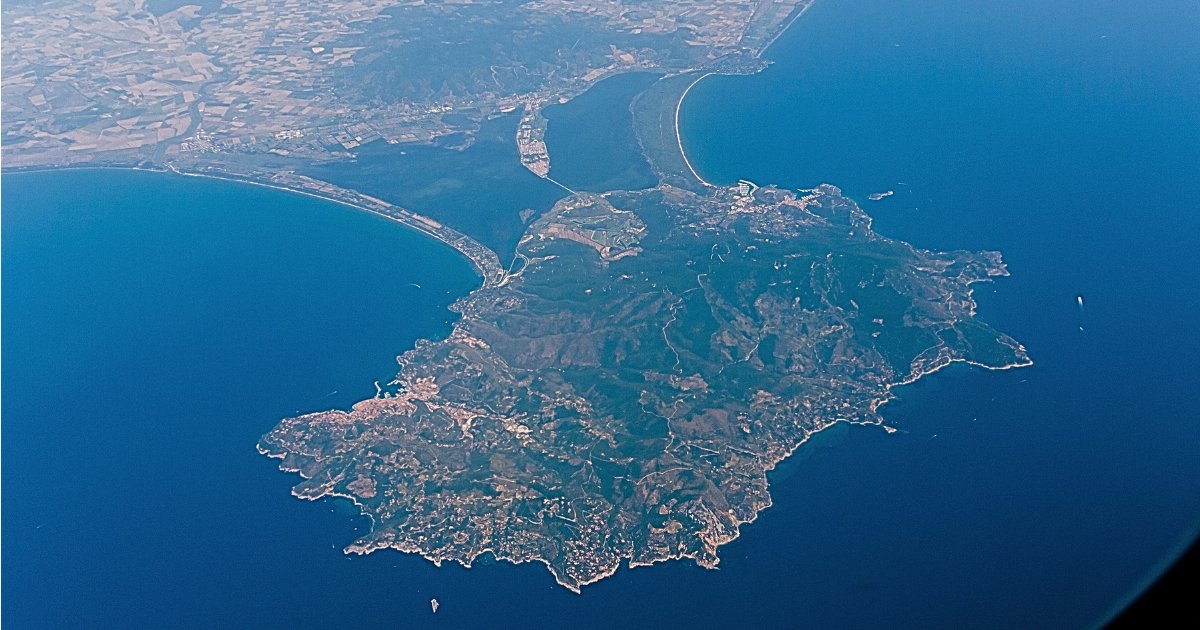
(1066, 135)
(156, 326)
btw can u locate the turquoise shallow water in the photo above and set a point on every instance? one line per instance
(155, 326)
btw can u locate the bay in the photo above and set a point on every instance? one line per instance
(154, 326)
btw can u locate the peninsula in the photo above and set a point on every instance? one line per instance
(620, 395)
(619, 392)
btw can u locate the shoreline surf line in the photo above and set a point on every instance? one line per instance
(679, 136)
(785, 29)
(757, 55)
(414, 225)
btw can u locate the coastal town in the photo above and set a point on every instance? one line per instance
(531, 141)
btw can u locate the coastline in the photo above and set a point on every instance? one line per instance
(708, 557)
(455, 240)
(487, 267)
(679, 136)
(409, 219)
(785, 28)
(757, 55)
(1059, 492)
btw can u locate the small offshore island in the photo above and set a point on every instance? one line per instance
(619, 392)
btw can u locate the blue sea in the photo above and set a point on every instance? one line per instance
(155, 326)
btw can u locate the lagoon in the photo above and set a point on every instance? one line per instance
(156, 326)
